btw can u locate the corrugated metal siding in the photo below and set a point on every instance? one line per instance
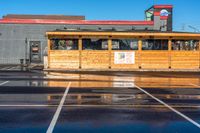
(12, 38)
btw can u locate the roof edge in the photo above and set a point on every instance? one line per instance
(162, 6)
(75, 22)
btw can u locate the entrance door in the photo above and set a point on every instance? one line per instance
(35, 51)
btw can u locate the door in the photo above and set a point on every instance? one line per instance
(35, 51)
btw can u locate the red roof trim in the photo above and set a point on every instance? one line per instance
(163, 6)
(81, 22)
(156, 13)
(163, 17)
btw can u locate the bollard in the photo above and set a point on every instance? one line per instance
(21, 64)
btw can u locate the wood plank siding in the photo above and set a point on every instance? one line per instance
(93, 59)
(185, 60)
(168, 59)
(154, 59)
(64, 59)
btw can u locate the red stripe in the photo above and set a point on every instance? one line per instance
(156, 13)
(81, 22)
(163, 6)
(163, 17)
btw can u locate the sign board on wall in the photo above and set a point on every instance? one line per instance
(124, 57)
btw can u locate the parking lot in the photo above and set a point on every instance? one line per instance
(107, 102)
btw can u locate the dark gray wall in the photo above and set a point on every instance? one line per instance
(13, 36)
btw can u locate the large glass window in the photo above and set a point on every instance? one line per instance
(124, 44)
(185, 44)
(64, 44)
(95, 44)
(154, 44)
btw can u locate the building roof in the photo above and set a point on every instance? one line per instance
(53, 17)
(73, 22)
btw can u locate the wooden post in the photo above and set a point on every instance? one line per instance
(199, 52)
(80, 49)
(48, 52)
(169, 52)
(110, 51)
(139, 51)
(79, 98)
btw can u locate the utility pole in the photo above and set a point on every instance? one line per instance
(194, 28)
(189, 26)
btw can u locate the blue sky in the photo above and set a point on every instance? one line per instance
(185, 11)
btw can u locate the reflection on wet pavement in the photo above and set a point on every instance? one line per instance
(99, 102)
(149, 80)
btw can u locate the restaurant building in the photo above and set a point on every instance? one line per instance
(73, 43)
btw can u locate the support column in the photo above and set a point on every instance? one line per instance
(139, 51)
(199, 53)
(48, 52)
(110, 51)
(169, 52)
(80, 50)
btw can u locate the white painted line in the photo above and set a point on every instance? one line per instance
(168, 106)
(4, 83)
(58, 76)
(5, 68)
(11, 68)
(195, 85)
(56, 115)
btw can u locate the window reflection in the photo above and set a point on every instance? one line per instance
(95, 44)
(152, 44)
(64, 44)
(185, 45)
(124, 44)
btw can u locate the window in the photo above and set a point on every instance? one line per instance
(149, 15)
(185, 45)
(124, 44)
(152, 44)
(64, 44)
(95, 44)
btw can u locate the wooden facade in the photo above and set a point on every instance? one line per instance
(161, 60)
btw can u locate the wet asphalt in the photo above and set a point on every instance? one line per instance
(99, 102)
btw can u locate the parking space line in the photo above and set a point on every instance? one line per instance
(168, 106)
(195, 85)
(57, 113)
(5, 68)
(11, 68)
(4, 83)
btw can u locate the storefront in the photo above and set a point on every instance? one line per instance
(25, 35)
(125, 51)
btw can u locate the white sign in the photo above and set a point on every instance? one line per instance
(164, 12)
(124, 58)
